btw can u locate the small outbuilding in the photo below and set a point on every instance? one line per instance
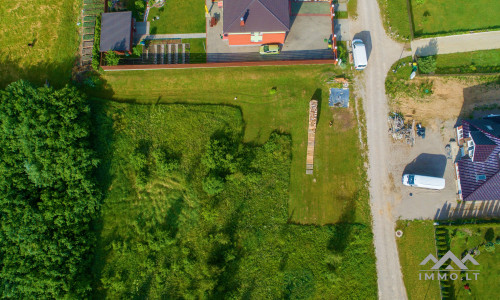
(339, 97)
(116, 32)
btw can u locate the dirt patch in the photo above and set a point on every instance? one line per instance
(451, 98)
(343, 119)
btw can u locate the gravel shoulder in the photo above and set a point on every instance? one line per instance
(382, 52)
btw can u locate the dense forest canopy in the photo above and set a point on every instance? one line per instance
(47, 193)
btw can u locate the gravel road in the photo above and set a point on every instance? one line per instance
(382, 53)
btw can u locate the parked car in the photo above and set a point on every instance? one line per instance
(359, 54)
(269, 49)
(426, 182)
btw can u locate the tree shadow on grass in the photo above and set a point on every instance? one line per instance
(342, 231)
(56, 74)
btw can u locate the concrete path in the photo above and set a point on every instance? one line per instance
(456, 43)
(342, 29)
(176, 36)
(382, 52)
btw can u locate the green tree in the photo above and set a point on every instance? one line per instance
(213, 184)
(47, 192)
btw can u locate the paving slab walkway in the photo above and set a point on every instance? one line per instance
(456, 43)
(176, 36)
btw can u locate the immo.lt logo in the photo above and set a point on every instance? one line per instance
(449, 272)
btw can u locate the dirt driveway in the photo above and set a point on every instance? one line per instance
(426, 157)
(452, 98)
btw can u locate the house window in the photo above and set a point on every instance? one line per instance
(460, 133)
(256, 37)
(470, 143)
(480, 177)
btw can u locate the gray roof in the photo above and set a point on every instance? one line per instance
(259, 15)
(116, 30)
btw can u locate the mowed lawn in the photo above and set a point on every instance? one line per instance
(337, 190)
(178, 17)
(416, 244)
(484, 61)
(51, 25)
(448, 16)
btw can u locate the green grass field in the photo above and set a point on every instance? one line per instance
(395, 18)
(52, 25)
(178, 17)
(486, 61)
(416, 243)
(450, 16)
(336, 191)
(161, 236)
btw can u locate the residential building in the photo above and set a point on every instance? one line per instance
(256, 22)
(478, 165)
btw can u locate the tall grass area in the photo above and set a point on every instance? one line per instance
(191, 211)
(454, 16)
(178, 17)
(337, 190)
(485, 61)
(416, 244)
(51, 27)
(395, 19)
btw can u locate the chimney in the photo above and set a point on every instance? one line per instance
(242, 21)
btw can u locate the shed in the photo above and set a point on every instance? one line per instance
(116, 32)
(339, 98)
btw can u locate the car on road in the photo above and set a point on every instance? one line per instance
(269, 49)
(359, 54)
(426, 182)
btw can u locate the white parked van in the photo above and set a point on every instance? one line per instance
(426, 182)
(359, 54)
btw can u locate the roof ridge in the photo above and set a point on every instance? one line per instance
(479, 187)
(260, 1)
(263, 5)
(249, 3)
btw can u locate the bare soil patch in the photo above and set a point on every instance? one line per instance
(343, 119)
(451, 98)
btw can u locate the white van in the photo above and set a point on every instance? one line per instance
(426, 182)
(359, 54)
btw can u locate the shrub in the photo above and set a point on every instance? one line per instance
(96, 55)
(137, 50)
(427, 64)
(112, 59)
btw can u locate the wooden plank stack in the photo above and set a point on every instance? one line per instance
(311, 133)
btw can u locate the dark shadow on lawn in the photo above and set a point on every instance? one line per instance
(55, 74)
